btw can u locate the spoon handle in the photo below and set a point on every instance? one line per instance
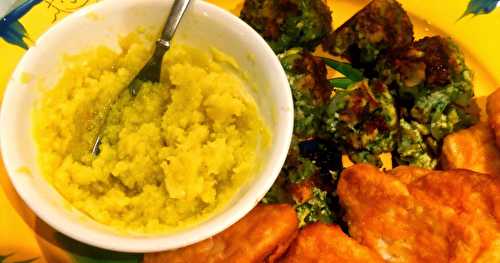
(178, 9)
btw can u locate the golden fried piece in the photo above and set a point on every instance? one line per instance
(493, 109)
(261, 236)
(318, 243)
(408, 174)
(439, 216)
(472, 149)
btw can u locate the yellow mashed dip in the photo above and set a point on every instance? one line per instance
(170, 157)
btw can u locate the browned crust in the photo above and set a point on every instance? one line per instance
(434, 216)
(493, 109)
(472, 149)
(321, 242)
(263, 234)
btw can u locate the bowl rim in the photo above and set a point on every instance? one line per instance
(158, 242)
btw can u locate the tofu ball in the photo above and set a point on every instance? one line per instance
(434, 91)
(363, 119)
(380, 27)
(285, 24)
(310, 89)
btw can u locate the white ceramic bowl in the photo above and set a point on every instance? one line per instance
(102, 23)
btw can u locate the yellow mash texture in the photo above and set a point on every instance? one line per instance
(170, 158)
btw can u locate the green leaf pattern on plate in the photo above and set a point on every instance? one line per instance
(479, 7)
(4, 257)
(82, 253)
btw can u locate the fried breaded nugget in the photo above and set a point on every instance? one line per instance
(493, 109)
(261, 236)
(472, 149)
(320, 242)
(408, 174)
(440, 216)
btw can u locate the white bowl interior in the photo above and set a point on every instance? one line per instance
(204, 26)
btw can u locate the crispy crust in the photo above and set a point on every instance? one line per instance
(472, 149)
(322, 243)
(433, 216)
(261, 236)
(493, 109)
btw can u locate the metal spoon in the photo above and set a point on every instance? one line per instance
(151, 71)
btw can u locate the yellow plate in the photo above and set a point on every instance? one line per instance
(23, 236)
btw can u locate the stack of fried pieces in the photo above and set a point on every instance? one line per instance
(478, 147)
(405, 215)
